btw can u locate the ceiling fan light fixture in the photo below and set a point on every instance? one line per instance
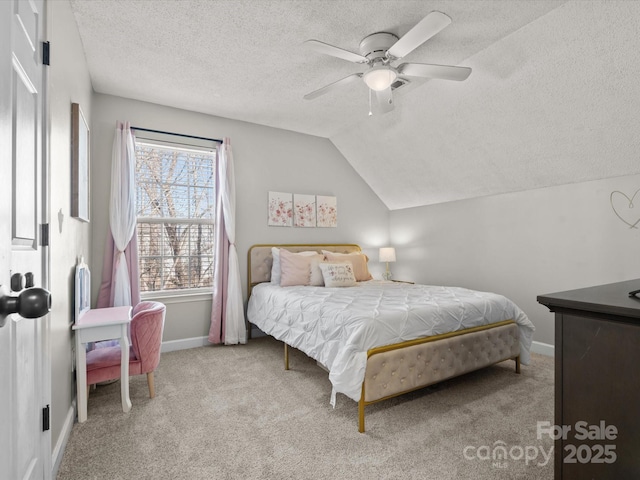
(380, 77)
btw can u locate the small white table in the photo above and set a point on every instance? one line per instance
(94, 326)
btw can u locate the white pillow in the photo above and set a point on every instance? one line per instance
(276, 269)
(316, 274)
(338, 274)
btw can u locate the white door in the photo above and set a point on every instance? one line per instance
(25, 451)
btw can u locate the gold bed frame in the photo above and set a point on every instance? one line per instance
(400, 368)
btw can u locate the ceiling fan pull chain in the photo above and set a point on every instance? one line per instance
(370, 112)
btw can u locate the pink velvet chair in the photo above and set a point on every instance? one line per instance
(147, 324)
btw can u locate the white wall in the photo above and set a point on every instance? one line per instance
(69, 82)
(524, 244)
(266, 159)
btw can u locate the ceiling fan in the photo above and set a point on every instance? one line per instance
(380, 50)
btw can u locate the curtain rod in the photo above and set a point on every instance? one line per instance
(177, 134)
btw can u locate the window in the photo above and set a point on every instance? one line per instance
(175, 209)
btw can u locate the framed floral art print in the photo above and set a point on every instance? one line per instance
(304, 210)
(327, 215)
(280, 209)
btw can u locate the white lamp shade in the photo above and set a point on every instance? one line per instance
(387, 254)
(379, 78)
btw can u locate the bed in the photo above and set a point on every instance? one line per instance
(380, 339)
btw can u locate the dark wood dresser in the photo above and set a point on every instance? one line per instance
(597, 382)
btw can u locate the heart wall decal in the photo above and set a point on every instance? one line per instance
(623, 207)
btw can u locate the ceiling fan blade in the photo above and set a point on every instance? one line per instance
(384, 100)
(445, 72)
(327, 49)
(423, 31)
(332, 86)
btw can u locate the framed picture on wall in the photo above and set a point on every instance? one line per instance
(304, 210)
(79, 164)
(327, 215)
(280, 212)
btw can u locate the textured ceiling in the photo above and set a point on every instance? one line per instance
(552, 98)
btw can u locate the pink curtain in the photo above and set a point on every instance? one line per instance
(120, 280)
(227, 314)
(220, 269)
(107, 290)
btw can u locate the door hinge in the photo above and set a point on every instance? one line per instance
(44, 234)
(46, 51)
(46, 421)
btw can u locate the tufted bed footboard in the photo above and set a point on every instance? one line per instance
(396, 369)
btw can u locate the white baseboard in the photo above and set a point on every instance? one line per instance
(543, 349)
(61, 444)
(183, 344)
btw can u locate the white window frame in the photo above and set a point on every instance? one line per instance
(161, 141)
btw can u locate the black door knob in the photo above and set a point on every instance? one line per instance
(31, 303)
(34, 303)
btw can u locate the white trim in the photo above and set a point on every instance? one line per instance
(184, 344)
(185, 220)
(63, 438)
(543, 349)
(184, 296)
(164, 143)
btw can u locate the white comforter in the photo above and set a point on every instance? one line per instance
(336, 326)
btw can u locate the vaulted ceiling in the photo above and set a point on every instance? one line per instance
(553, 98)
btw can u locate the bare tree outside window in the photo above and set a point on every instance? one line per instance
(175, 208)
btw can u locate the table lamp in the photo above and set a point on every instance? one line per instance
(387, 254)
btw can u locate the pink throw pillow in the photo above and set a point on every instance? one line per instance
(296, 268)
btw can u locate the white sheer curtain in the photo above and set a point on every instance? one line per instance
(235, 327)
(122, 208)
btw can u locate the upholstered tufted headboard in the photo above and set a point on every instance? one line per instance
(260, 260)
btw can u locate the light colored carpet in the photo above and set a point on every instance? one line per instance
(235, 413)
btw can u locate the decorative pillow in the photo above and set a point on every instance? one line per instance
(358, 260)
(275, 266)
(338, 274)
(276, 271)
(296, 267)
(316, 274)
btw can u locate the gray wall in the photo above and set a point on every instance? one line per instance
(265, 159)
(69, 82)
(524, 244)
